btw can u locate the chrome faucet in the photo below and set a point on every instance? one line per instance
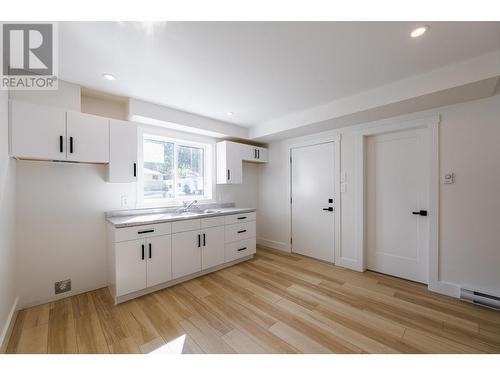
(186, 206)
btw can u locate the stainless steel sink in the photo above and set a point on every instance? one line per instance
(212, 211)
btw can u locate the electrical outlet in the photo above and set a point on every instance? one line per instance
(62, 286)
(124, 201)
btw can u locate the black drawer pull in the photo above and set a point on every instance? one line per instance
(142, 246)
(242, 231)
(242, 217)
(60, 143)
(150, 251)
(228, 175)
(146, 231)
(243, 248)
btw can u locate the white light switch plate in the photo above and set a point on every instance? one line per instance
(343, 188)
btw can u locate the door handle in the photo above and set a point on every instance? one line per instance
(421, 212)
(150, 251)
(328, 209)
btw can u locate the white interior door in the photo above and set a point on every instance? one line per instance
(397, 180)
(313, 201)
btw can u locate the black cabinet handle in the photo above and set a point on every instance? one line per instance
(421, 212)
(145, 231)
(142, 246)
(255, 153)
(242, 217)
(150, 251)
(241, 249)
(60, 143)
(135, 170)
(242, 231)
(204, 239)
(258, 154)
(199, 240)
(328, 209)
(70, 145)
(228, 174)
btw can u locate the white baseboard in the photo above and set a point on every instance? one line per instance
(25, 305)
(8, 327)
(445, 288)
(274, 244)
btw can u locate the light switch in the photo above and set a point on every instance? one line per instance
(343, 187)
(449, 178)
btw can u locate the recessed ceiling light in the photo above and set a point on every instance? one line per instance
(419, 31)
(229, 113)
(109, 77)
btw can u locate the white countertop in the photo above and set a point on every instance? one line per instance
(155, 218)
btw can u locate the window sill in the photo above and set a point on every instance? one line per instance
(172, 204)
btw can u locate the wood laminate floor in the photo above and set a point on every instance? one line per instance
(275, 303)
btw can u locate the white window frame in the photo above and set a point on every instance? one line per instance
(166, 135)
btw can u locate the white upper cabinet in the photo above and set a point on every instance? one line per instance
(37, 132)
(122, 151)
(255, 154)
(51, 133)
(230, 156)
(87, 138)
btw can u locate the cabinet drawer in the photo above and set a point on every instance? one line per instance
(240, 218)
(240, 231)
(185, 225)
(141, 231)
(210, 222)
(240, 249)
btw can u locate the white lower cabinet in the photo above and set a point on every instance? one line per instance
(130, 267)
(159, 260)
(212, 253)
(142, 263)
(186, 253)
(197, 250)
(145, 256)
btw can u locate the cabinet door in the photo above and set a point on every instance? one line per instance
(159, 264)
(234, 167)
(87, 138)
(130, 266)
(122, 151)
(186, 253)
(212, 253)
(37, 132)
(262, 155)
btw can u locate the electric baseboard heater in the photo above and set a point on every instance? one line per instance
(479, 298)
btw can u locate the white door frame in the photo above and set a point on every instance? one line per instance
(336, 164)
(432, 124)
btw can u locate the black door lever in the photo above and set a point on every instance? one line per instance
(328, 209)
(421, 212)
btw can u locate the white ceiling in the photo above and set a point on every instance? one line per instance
(259, 70)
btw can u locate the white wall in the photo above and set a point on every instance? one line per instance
(7, 222)
(469, 225)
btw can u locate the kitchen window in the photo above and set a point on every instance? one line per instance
(173, 170)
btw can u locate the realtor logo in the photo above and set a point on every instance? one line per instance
(29, 56)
